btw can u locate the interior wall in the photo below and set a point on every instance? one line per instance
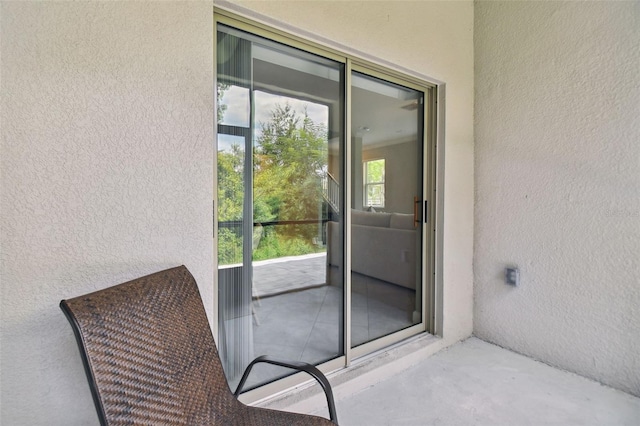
(400, 175)
(434, 39)
(107, 171)
(558, 184)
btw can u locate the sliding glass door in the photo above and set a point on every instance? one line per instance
(280, 150)
(386, 207)
(321, 206)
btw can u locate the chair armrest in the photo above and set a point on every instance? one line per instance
(299, 366)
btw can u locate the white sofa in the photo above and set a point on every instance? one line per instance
(383, 245)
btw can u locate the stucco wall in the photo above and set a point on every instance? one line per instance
(107, 148)
(107, 171)
(558, 183)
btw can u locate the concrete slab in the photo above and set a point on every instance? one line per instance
(476, 383)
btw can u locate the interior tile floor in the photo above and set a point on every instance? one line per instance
(477, 383)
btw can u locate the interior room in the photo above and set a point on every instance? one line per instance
(516, 121)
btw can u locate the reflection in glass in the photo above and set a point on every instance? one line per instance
(279, 171)
(231, 158)
(386, 231)
(233, 105)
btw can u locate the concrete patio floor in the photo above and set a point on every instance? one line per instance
(470, 383)
(477, 383)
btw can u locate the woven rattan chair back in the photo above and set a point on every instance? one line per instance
(151, 359)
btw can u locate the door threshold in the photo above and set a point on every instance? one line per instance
(363, 372)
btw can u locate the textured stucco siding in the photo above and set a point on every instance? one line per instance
(107, 148)
(557, 174)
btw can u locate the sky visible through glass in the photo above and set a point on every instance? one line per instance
(236, 104)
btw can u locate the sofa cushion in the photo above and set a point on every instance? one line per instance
(384, 253)
(370, 219)
(401, 221)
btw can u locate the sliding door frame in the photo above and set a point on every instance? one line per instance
(433, 125)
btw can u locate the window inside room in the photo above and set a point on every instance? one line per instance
(374, 183)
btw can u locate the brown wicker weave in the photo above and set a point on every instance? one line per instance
(151, 359)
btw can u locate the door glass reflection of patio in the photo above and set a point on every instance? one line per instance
(286, 274)
(298, 316)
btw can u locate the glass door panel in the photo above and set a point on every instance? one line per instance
(280, 226)
(386, 208)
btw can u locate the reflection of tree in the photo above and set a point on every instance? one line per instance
(230, 202)
(290, 155)
(231, 190)
(289, 158)
(221, 108)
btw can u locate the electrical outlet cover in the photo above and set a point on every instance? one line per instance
(512, 276)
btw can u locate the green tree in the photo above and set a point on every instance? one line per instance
(231, 187)
(289, 159)
(230, 205)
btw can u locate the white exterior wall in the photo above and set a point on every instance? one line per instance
(107, 162)
(107, 148)
(558, 184)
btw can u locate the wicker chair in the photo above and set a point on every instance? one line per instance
(150, 358)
